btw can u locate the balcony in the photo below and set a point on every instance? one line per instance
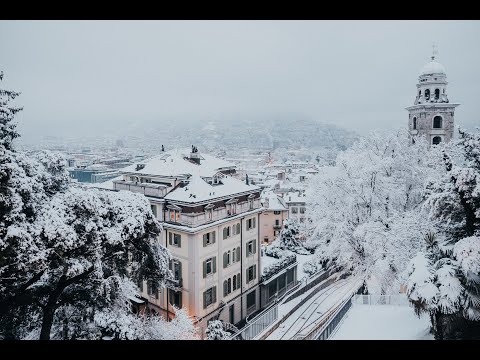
(278, 266)
(175, 285)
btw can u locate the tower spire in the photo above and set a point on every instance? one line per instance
(434, 50)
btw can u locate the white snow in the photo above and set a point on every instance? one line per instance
(382, 322)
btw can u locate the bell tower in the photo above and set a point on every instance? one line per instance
(432, 114)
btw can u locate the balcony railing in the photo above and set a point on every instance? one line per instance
(278, 266)
(148, 189)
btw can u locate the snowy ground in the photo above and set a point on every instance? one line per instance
(382, 322)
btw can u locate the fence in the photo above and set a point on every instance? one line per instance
(400, 300)
(258, 324)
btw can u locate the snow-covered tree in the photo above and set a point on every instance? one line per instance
(452, 271)
(365, 208)
(67, 254)
(215, 331)
(289, 238)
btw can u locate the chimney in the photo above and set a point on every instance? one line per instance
(246, 179)
(139, 167)
(194, 156)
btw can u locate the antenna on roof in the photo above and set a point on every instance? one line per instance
(434, 50)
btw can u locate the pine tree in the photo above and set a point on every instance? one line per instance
(215, 331)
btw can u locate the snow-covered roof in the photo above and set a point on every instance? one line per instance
(293, 197)
(198, 189)
(275, 202)
(106, 184)
(432, 67)
(172, 163)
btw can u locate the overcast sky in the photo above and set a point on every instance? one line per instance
(82, 77)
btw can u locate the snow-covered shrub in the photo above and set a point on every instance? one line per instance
(215, 331)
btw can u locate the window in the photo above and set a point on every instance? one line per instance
(225, 288)
(437, 122)
(209, 238)
(414, 123)
(250, 248)
(209, 297)
(238, 228)
(251, 300)
(294, 210)
(152, 289)
(175, 298)
(282, 282)
(419, 93)
(234, 230)
(272, 289)
(290, 276)
(226, 232)
(251, 223)
(277, 222)
(302, 210)
(437, 94)
(209, 266)
(229, 286)
(154, 209)
(210, 214)
(276, 212)
(265, 239)
(234, 282)
(436, 140)
(238, 281)
(427, 94)
(233, 256)
(250, 202)
(174, 215)
(176, 267)
(238, 253)
(251, 273)
(175, 239)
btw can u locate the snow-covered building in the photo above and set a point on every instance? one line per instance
(211, 225)
(276, 211)
(296, 203)
(432, 114)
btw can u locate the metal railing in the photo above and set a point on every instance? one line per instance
(258, 324)
(397, 299)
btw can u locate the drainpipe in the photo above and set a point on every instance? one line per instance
(166, 289)
(241, 268)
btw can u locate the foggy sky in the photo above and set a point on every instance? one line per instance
(85, 77)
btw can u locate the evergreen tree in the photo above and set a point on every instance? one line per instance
(215, 331)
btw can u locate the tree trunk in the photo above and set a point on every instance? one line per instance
(47, 323)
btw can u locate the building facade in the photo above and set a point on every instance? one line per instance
(275, 212)
(432, 114)
(211, 225)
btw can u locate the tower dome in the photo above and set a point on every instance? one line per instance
(432, 67)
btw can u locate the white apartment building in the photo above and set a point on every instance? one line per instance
(211, 224)
(296, 205)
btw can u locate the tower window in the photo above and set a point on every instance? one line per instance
(427, 94)
(414, 123)
(437, 122)
(436, 140)
(437, 94)
(419, 93)
(444, 91)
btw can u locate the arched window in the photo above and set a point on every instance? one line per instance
(225, 288)
(427, 94)
(437, 122)
(414, 123)
(436, 140)
(437, 94)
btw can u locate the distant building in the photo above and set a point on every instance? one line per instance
(275, 211)
(296, 203)
(432, 114)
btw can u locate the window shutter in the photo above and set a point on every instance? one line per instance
(254, 247)
(204, 269)
(170, 238)
(238, 228)
(204, 298)
(214, 294)
(247, 253)
(179, 240)
(170, 264)
(204, 240)
(179, 270)
(238, 281)
(225, 290)
(234, 282)
(238, 253)
(254, 271)
(213, 237)
(224, 233)
(224, 260)
(214, 264)
(246, 275)
(254, 220)
(180, 300)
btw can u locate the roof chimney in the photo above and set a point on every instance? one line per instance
(194, 156)
(246, 179)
